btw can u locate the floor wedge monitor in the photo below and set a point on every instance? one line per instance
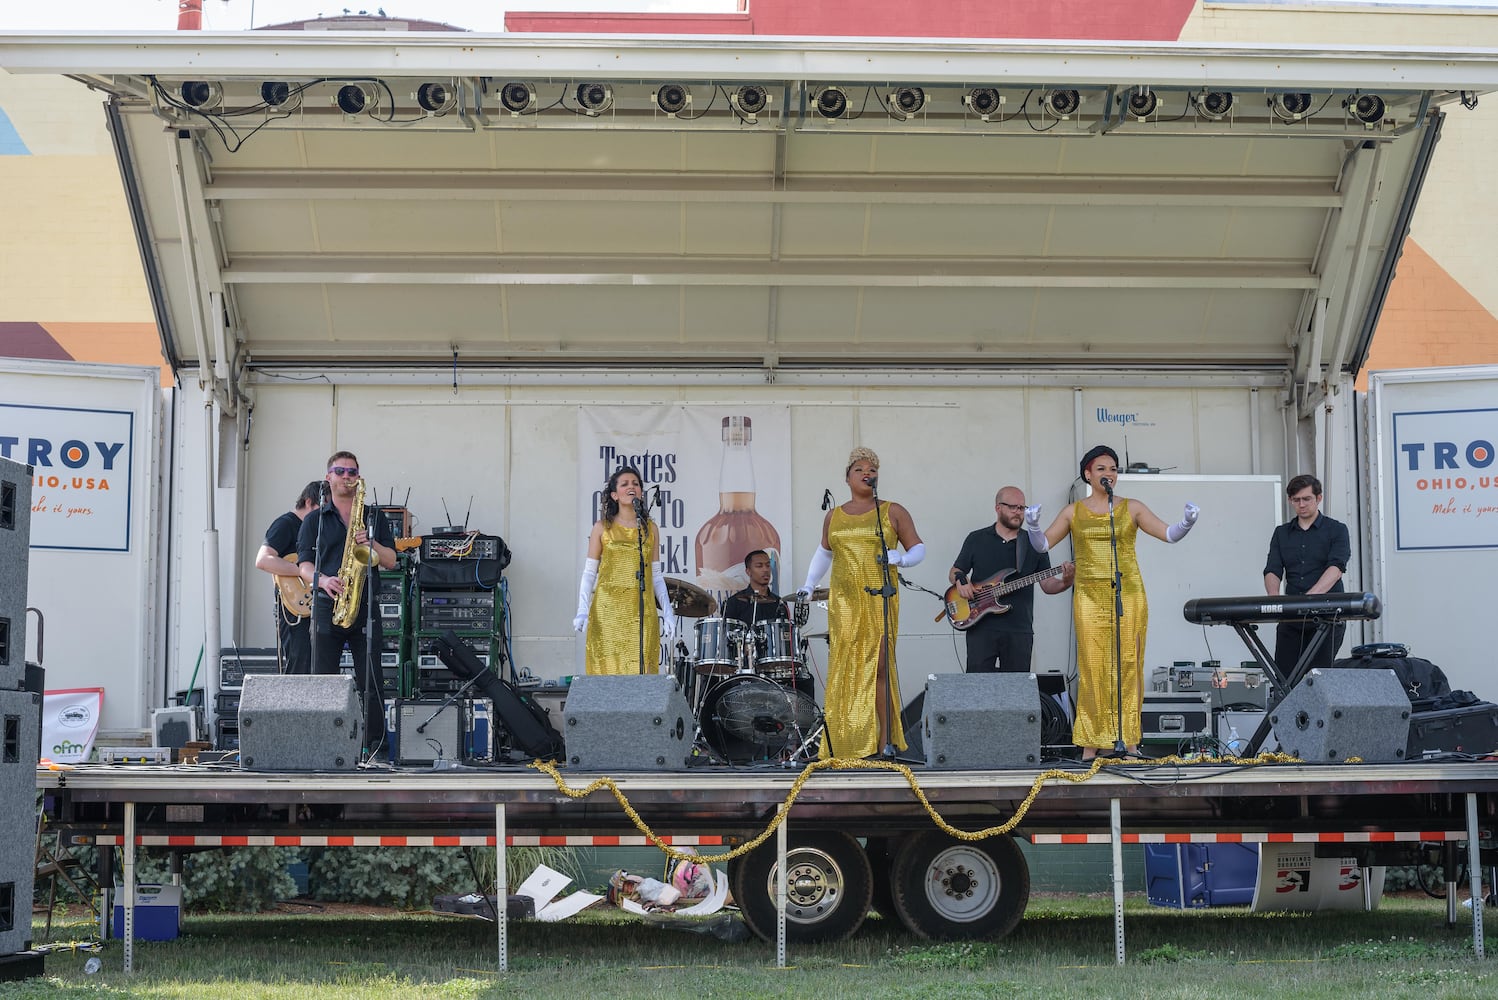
(1337, 714)
(630, 723)
(981, 721)
(299, 723)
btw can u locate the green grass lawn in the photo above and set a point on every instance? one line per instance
(1063, 948)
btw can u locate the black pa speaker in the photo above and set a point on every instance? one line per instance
(15, 556)
(299, 722)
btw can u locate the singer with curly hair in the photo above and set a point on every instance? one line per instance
(609, 608)
(861, 677)
(1092, 522)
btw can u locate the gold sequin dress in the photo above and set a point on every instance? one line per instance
(1092, 613)
(613, 636)
(855, 622)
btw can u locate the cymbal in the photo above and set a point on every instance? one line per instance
(820, 594)
(816, 635)
(690, 600)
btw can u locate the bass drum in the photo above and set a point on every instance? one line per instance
(748, 718)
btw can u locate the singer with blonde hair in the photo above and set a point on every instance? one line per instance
(859, 545)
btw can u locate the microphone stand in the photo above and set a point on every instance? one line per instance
(374, 694)
(640, 532)
(1118, 613)
(884, 592)
(313, 644)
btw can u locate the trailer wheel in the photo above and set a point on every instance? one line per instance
(949, 889)
(829, 886)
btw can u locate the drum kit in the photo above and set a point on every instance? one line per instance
(748, 686)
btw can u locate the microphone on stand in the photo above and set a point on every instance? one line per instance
(1108, 487)
(655, 498)
(873, 482)
(639, 506)
(826, 499)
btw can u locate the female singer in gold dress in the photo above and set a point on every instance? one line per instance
(1098, 724)
(860, 680)
(608, 600)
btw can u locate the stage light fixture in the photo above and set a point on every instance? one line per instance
(1142, 102)
(201, 94)
(595, 98)
(1366, 108)
(672, 98)
(517, 98)
(907, 101)
(353, 99)
(435, 98)
(1290, 107)
(1060, 103)
(832, 102)
(1213, 104)
(749, 100)
(274, 93)
(984, 101)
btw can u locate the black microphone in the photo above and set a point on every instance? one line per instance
(873, 482)
(655, 498)
(1108, 487)
(322, 492)
(826, 499)
(639, 506)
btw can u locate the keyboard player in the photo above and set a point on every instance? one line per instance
(1307, 555)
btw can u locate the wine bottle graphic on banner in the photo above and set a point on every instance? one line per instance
(737, 529)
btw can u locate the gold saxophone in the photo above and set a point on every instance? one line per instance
(356, 559)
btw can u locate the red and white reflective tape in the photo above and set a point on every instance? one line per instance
(1356, 837)
(335, 840)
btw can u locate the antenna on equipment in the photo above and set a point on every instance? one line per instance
(467, 512)
(449, 529)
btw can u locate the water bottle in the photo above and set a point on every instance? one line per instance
(1235, 742)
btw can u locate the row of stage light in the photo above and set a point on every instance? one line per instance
(491, 102)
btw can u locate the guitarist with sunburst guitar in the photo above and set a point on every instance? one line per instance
(992, 596)
(293, 596)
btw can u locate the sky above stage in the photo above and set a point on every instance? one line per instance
(474, 15)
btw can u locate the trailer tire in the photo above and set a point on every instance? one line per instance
(829, 889)
(950, 889)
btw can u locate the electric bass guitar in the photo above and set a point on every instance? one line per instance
(964, 612)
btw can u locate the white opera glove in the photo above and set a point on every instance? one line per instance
(820, 564)
(585, 594)
(663, 601)
(1177, 531)
(1038, 540)
(910, 557)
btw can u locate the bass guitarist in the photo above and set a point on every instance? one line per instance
(1001, 631)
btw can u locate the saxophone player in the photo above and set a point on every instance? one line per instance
(321, 550)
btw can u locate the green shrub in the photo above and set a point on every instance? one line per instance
(407, 877)
(241, 879)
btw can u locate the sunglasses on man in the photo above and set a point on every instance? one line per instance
(344, 470)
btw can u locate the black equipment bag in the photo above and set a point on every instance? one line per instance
(527, 723)
(1420, 679)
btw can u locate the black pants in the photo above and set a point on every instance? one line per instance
(295, 638)
(999, 650)
(1290, 638)
(327, 648)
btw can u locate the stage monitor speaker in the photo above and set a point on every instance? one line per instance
(627, 723)
(15, 555)
(299, 723)
(981, 721)
(20, 720)
(1333, 715)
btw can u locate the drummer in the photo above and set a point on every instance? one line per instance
(756, 603)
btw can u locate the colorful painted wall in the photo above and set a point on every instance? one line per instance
(71, 283)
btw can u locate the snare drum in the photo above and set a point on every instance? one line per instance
(779, 647)
(719, 641)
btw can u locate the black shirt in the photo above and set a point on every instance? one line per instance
(744, 607)
(283, 533)
(1299, 557)
(983, 554)
(334, 532)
